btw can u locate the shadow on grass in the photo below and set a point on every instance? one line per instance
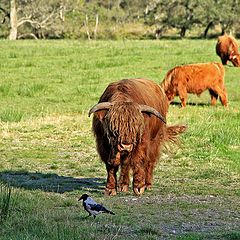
(51, 182)
(191, 104)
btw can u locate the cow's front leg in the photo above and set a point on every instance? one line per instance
(123, 184)
(138, 178)
(214, 97)
(111, 180)
(149, 176)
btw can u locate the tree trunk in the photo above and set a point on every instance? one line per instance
(13, 20)
(183, 32)
(96, 27)
(86, 27)
(210, 24)
(62, 11)
(6, 15)
(223, 31)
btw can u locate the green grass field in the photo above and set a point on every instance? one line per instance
(48, 155)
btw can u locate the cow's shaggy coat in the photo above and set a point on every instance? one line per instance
(129, 126)
(196, 78)
(227, 50)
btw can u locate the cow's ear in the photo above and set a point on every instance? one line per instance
(101, 114)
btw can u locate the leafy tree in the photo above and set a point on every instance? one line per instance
(33, 18)
(4, 17)
(181, 14)
(186, 14)
(104, 18)
(229, 14)
(221, 12)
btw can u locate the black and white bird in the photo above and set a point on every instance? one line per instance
(92, 207)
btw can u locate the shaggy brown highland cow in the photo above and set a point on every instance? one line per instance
(129, 124)
(196, 78)
(227, 50)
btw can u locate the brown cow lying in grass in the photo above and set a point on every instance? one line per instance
(129, 124)
(196, 78)
(227, 50)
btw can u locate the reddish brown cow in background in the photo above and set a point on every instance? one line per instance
(227, 50)
(129, 124)
(196, 78)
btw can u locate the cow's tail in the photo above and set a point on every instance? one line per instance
(174, 131)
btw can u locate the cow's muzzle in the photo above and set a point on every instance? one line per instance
(122, 147)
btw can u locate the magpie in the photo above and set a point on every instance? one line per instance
(92, 207)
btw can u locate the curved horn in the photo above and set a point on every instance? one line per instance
(148, 109)
(99, 106)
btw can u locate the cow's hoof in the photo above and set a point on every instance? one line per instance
(139, 191)
(149, 187)
(123, 188)
(110, 192)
